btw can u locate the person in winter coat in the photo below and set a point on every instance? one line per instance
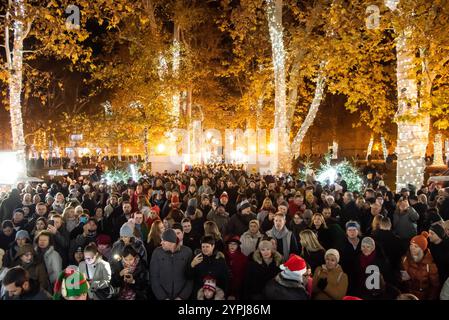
(127, 238)
(419, 273)
(26, 258)
(197, 219)
(262, 267)
(210, 291)
(22, 238)
(7, 234)
(104, 246)
(390, 244)
(209, 263)
(44, 247)
(350, 210)
(267, 207)
(98, 272)
(318, 225)
(60, 235)
(439, 248)
(219, 216)
(286, 241)
(329, 280)
(311, 249)
(130, 276)
(289, 284)
(8, 205)
(237, 263)
(250, 238)
(404, 221)
(351, 250)
(371, 256)
(239, 222)
(191, 239)
(20, 286)
(168, 269)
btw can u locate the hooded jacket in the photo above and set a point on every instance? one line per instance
(424, 281)
(258, 273)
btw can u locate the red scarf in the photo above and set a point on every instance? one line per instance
(365, 261)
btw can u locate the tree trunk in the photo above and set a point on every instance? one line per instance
(438, 150)
(413, 130)
(15, 82)
(175, 69)
(311, 114)
(280, 162)
(145, 144)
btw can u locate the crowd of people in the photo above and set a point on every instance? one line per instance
(219, 232)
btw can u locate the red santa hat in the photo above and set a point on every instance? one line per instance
(294, 268)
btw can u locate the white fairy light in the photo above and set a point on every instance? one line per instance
(438, 150)
(311, 114)
(370, 147)
(384, 147)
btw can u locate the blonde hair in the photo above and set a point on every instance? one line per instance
(267, 201)
(65, 213)
(323, 221)
(375, 225)
(422, 198)
(155, 233)
(309, 241)
(211, 229)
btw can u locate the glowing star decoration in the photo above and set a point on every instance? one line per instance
(438, 150)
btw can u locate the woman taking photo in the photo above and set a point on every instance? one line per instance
(130, 276)
(97, 271)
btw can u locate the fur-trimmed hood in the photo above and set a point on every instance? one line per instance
(219, 294)
(277, 257)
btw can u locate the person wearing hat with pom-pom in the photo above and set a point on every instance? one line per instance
(210, 291)
(289, 284)
(419, 272)
(71, 285)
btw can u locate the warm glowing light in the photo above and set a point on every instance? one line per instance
(10, 168)
(160, 148)
(271, 147)
(328, 175)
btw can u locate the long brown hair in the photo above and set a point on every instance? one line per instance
(211, 229)
(155, 233)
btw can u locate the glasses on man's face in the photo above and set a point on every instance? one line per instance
(28, 254)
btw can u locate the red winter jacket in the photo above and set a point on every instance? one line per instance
(237, 263)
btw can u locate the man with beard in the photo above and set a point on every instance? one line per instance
(239, 223)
